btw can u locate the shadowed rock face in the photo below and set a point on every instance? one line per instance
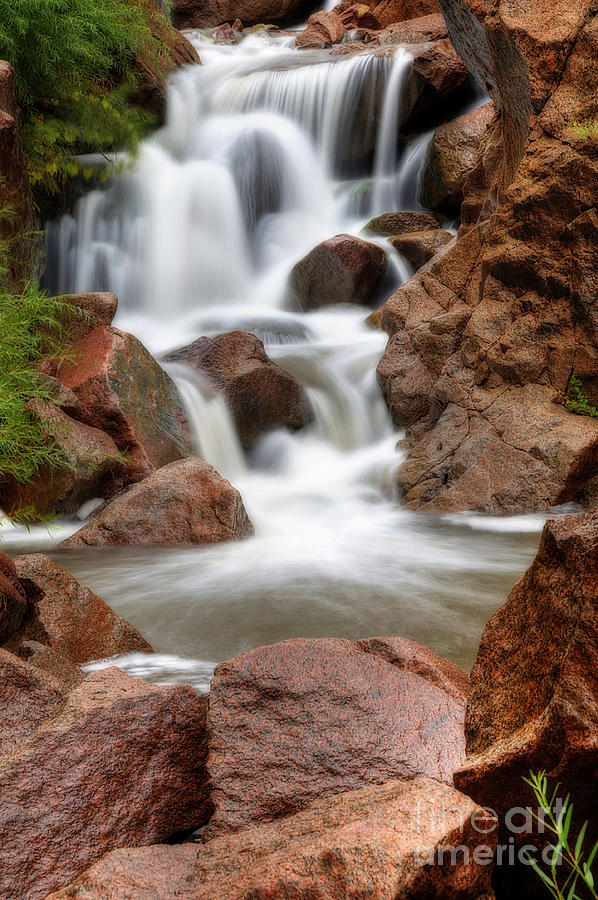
(365, 843)
(481, 341)
(13, 601)
(187, 502)
(305, 719)
(534, 697)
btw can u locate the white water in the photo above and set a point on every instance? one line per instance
(267, 151)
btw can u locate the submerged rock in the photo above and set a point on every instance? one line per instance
(304, 719)
(534, 697)
(382, 841)
(122, 390)
(261, 395)
(119, 762)
(186, 502)
(342, 269)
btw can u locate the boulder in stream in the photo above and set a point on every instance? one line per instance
(304, 719)
(393, 223)
(419, 247)
(186, 502)
(341, 269)
(261, 395)
(383, 841)
(451, 159)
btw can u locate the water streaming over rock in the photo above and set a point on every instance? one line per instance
(266, 151)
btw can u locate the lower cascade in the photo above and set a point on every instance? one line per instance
(267, 150)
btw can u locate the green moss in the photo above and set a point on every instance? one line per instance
(576, 401)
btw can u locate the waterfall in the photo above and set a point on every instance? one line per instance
(266, 151)
(212, 429)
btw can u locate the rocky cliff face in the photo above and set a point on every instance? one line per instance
(484, 339)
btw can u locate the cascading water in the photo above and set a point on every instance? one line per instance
(266, 151)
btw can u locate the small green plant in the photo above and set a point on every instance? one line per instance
(566, 848)
(585, 130)
(31, 327)
(576, 401)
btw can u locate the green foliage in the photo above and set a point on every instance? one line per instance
(75, 67)
(576, 401)
(585, 130)
(31, 327)
(565, 846)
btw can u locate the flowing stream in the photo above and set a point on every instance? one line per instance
(266, 151)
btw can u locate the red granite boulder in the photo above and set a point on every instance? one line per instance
(260, 394)
(66, 625)
(187, 502)
(121, 762)
(304, 719)
(389, 842)
(123, 391)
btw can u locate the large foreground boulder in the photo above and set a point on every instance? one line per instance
(121, 762)
(66, 624)
(534, 698)
(342, 269)
(123, 391)
(304, 719)
(484, 340)
(187, 502)
(260, 394)
(391, 842)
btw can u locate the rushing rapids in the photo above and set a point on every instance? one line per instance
(266, 151)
